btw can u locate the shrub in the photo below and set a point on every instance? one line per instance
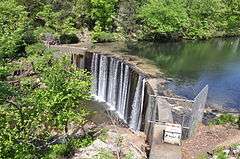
(37, 49)
(4, 72)
(225, 119)
(68, 148)
(101, 36)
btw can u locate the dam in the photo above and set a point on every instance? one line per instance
(132, 93)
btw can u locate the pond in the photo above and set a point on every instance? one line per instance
(194, 64)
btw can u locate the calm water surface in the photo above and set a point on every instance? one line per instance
(193, 64)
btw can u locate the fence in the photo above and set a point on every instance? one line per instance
(160, 110)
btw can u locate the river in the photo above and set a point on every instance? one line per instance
(194, 64)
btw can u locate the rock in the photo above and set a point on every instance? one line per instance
(235, 151)
(226, 151)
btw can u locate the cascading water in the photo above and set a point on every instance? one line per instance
(94, 69)
(123, 101)
(102, 78)
(111, 84)
(137, 105)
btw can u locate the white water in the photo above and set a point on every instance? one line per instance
(94, 69)
(137, 105)
(111, 84)
(102, 79)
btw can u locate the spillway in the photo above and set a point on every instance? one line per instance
(117, 84)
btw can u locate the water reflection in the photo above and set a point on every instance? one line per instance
(197, 63)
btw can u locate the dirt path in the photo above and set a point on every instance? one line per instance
(209, 138)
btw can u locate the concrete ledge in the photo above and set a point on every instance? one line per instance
(161, 150)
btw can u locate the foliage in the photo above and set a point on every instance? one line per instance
(165, 17)
(101, 36)
(233, 17)
(103, 136)
(206, 18)
(4, 72)
(190, 19)
(225, 119)
(66, 89)
(53, 23)
(35, 49)
(66, 149)
(102, 12)
(202, 156)
(82, 9)
(40, 106)
(13, 19)
(19, 126)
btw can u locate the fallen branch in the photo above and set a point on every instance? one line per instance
(138, 149)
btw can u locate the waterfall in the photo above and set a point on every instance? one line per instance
(120, 91)
(94, 69)
(137, 105)
(111, 84)
(102, 79)
(124, 92)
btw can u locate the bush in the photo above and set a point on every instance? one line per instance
(58, 151)
(38, 49)
(4, 72)
(68, 148)
(46, 35)
(225, 119)
(101, 36)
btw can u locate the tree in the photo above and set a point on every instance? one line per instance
(206, 18)
(66, 89)
(38, 109)
(13, 20)
(164, 17)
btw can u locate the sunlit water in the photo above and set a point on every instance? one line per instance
(194, 64)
